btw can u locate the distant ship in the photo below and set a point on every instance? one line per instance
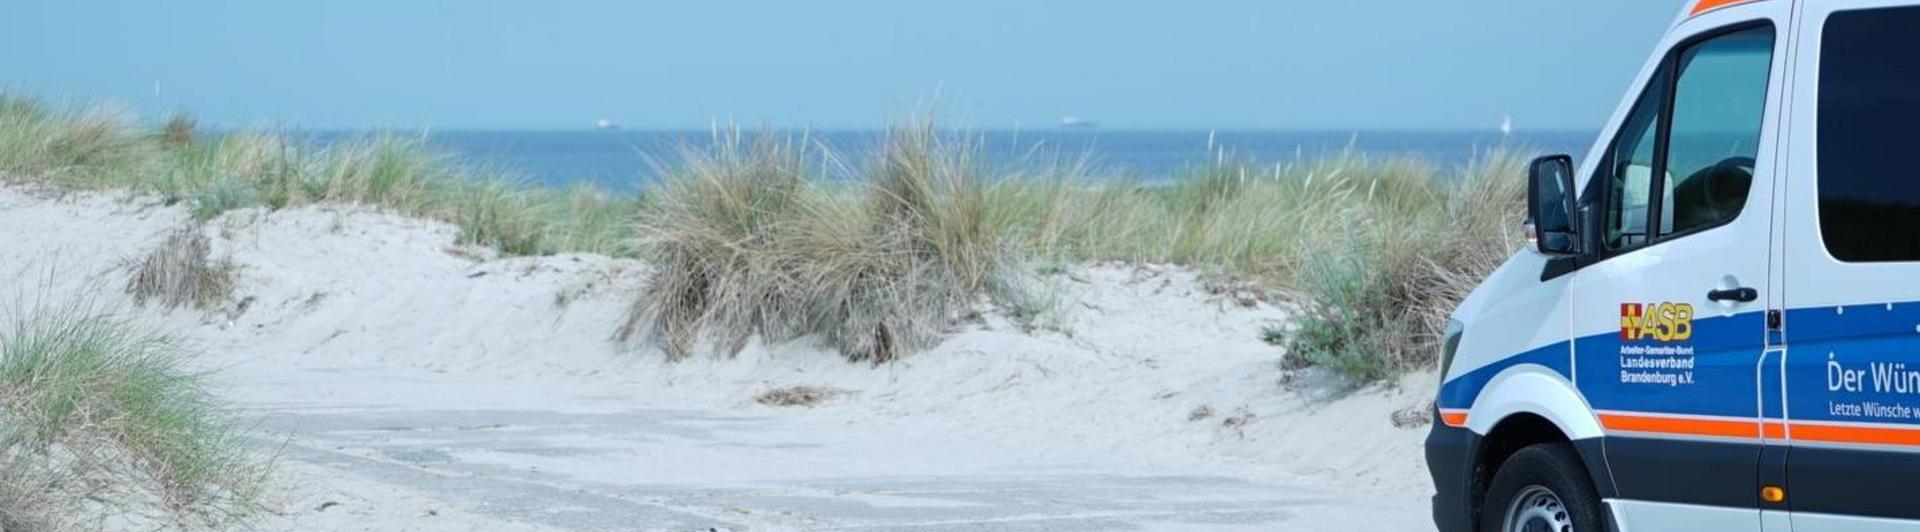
(1076, 122)
(1506, 126)
(606, 125)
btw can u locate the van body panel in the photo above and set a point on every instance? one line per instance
(1848, 523)
(1512, 294)
(1853, 458)
(1637, 516)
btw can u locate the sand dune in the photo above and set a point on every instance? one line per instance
(408, 383)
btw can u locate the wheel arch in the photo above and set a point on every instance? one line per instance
(1534, 390)
(1527, 405)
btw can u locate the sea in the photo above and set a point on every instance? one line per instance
(630, 159)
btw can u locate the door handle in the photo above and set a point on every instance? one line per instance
(1737, 295)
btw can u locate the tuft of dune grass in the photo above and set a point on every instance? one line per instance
(710, 232)
(87, 145)
(1389, 269)
(182, 273)
(750, 239)
(923, 249)
(99, 419)
(180, 130)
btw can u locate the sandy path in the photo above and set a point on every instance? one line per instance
(405, 386)
(626, 468)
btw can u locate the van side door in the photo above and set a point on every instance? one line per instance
(1670, 296)
(1851, 268)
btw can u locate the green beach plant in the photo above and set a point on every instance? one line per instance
(710, 231)
(926, 248)
(100, 148)
(99, 417)
(750, 238)
(69, 146)
(1380, 281)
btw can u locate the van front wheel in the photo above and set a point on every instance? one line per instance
(1542, 488)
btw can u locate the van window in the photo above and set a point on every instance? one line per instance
(1869, 138)
(1709, 118)
(1719, 105)
(1629, 169)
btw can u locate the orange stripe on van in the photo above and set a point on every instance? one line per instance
(1457, 418)
(1681, 426)
(1710, 5)
(1772, 430)
(1848, 434)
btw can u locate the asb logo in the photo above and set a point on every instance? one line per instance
(1664, 322)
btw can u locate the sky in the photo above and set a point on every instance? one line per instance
(828, 64)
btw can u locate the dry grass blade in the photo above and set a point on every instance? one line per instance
(182, 272)
(803, 396)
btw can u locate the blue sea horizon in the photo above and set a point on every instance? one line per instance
(630, 159)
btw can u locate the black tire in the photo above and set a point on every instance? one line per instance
(1554, 467)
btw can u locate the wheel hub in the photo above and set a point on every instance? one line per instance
(1537, 509)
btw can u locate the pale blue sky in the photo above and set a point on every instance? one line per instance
(1231, 64)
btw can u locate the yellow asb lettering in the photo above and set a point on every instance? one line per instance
(1663, 322)
(1676, 321)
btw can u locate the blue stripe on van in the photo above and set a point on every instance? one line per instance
(1461, 391)
(1829, 347)
(1874, 340)
(1713, 373)
(1718, 383)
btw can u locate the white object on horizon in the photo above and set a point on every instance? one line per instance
(1074, 121)
(1506, 125)
(606, 125)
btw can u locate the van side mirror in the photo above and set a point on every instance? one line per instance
(1550, 205)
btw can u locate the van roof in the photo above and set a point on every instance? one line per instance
(1702, 6)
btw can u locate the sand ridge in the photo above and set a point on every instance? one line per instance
(418, 384)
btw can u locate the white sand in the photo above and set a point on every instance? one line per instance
(420, 388)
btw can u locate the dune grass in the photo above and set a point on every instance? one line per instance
(877, 258)
(102, 148)
(753, 237)
(771, 235)
(99, 418)
(1383, 273)
(1377, 250)
(182, 272)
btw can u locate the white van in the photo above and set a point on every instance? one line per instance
(1719, 326)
